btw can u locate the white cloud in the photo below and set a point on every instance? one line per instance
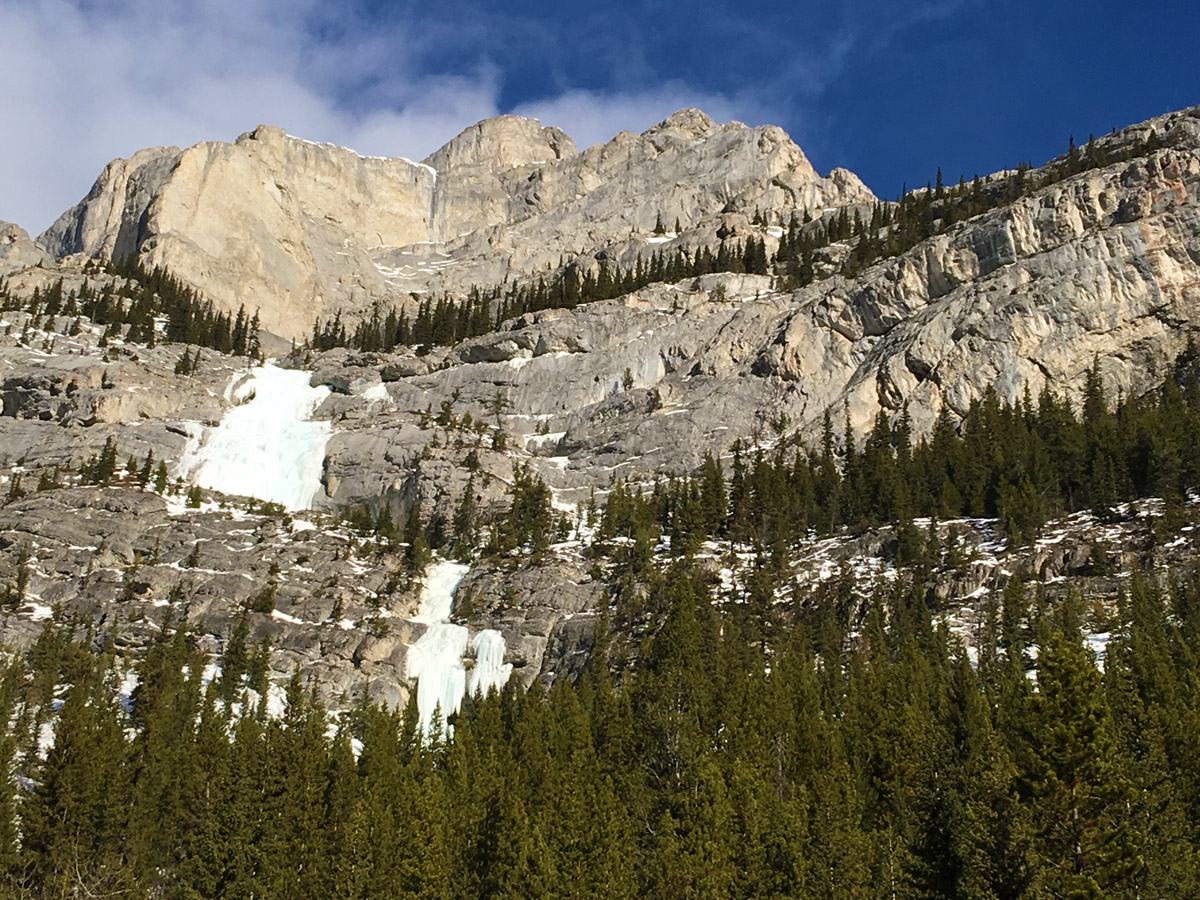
(87, 83)
(90, 80)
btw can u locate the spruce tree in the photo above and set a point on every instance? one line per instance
(1079, 798)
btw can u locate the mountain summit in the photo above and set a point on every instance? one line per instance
(300, 231)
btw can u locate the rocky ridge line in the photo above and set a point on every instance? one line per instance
(300, 230)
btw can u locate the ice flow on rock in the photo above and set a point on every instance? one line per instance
(436, 659)
(267, 446)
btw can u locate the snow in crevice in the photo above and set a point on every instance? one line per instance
(436, 660)
(377, 394)
(267, 446)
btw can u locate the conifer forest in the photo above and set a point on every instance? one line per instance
(845, 746)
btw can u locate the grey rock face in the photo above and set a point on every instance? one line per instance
(62, 395)
(299, 230)
(17, 251)
(266, 222)
(108, 222)
(1102, 266)
(531, 606)
(136, 560)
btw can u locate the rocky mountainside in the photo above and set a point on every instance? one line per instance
(1094, 267)
(299, 230)
(17, 251)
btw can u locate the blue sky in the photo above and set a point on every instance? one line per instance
(890, 90)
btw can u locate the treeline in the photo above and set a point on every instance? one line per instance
(136, 307)
(445, 321)
(1023, 464)
(894, 228)
(888, 230)
(856, 756)
(528, 524)
(103, 468)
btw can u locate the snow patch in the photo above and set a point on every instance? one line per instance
(490, 669)
(377, 393)
(40, 612)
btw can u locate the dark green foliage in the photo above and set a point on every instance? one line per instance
(1082, 845)
(530, 520)
(235, 661)
(263, 600)
(190, 318)
(188, 363)
(884, 768)
(447, 320)
(15, 491)
(76, 822)
(1022, 464)
(133, 306)
(103, 468)
(16, 586)
(466, 521)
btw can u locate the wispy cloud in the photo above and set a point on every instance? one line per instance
(89, 80)
(96, 81)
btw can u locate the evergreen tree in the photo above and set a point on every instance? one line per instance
(1082, 846)
(75, 823)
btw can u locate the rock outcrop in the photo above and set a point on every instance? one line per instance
(1101, 266)
(139, 560)
(17, 250)
(299, 230)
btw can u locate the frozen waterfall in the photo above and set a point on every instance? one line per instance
(267, 446)
(490, 669)
(436, 659)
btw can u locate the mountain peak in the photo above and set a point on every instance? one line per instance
(502, 142)
(330, 230)
(692, 122)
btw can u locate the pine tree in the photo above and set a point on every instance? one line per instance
(165, 709)
(102, 468)
(75, 823)
(294, 776)
(1079, 797)
(465, 521)
(234, 661)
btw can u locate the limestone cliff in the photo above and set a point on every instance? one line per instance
(17, 251)
(1101, 266)
(299, 230)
